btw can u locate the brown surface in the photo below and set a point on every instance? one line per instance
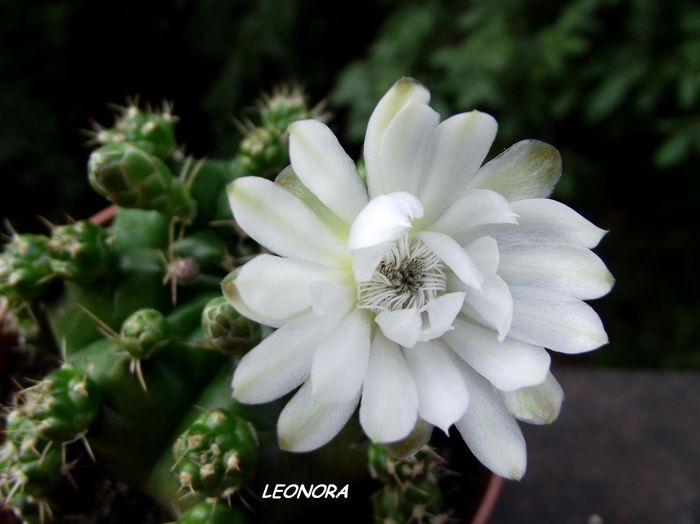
(626, 449)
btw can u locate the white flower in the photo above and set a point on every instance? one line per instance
(426, 295)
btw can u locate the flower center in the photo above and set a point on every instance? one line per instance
(410, 275)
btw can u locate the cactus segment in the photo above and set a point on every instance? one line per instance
(25, 268)
(62, 406)
(216, 455)
(213, 513)
(80, 252)
(151, 131)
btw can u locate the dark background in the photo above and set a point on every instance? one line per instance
(615, 85)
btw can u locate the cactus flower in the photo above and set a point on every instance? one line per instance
(427, 294)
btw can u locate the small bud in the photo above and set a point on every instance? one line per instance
(226, 329)
(143, 333)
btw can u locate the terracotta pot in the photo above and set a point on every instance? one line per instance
(104, 218)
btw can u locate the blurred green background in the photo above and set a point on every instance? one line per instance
(615, 85)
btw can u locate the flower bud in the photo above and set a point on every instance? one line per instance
(130, 177)
(226, 329)
(144, 332)
(152, 132)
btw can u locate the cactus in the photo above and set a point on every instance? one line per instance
(142, 392)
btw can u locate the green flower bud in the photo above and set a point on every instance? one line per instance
(143, 333)
(130, 177)
(216, 455)
(213, 513)
(62, 405)
(80, 252)
(226, 329)
(149, 131)
(25, 268)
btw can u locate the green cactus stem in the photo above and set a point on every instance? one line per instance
(216, 455)
(80, 252)
(208, 512)
(25, 268)
(63, 405)
(130, 177)
(153, 132)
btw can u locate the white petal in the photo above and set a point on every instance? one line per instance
(402, 149)
(289, 181)
(275, 289)
(484, 253)
(402, 326)
(366, 260)
(528, 169)
(493, 305)
(325, 168)
(307, 422)
(474, 208)
(441, 313)
(404, 91)
(491, 433)
(384, 219)
(536, 404)
(388, 410)
(508, 365)
(454, 256)
(340, 363)
(564, 268)
(279, 221)
(460, 146)
(544, 220)
(411, 444)
(331, 300)
(442, 395)
(555, 321)
(280, 363)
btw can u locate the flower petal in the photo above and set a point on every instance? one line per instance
(402, 149)
(404, 91)
(555, 321)
(411, 444)
(442, 395)
(280, 363)
(508, 365)
(340, 363)
(388, 410)
(473, 208)
(384, 219)
(491, 433)
(454, 256)
(273, 289)
(493, 304)
(325, 168)
(331, 300)
(441, 313)
(308, 422)
(545, 220)
(484, 253)
(366, 260)
(402, 326)
(460, 145)
(563, 268)
(279, 221)
(536, 404)
(528, 169)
